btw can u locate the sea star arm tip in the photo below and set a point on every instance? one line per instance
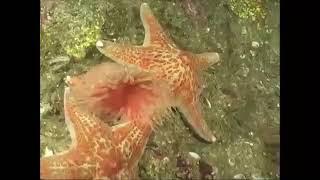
(99, 44)
(102, 45)
(121, 53)
(193, 115)
(154, 34)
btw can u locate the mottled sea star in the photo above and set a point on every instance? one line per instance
(180, 69)
(100, 151)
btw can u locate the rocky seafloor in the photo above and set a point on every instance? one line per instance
(240, 100)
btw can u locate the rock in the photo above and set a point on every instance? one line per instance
(194, 155)
(239, 176)
(255, 44)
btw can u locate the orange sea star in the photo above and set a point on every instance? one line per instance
(99, 151)
(181, 69)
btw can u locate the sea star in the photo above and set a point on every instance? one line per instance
(99, 151)
(180, 69)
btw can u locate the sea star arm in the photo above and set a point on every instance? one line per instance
(125, 54)
(154, 34)
(193, 114)
(82, 125)
(92, 142)
(69, 165)
(131, 138)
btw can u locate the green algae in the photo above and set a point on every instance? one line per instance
(241, 98)
(252, 10)
(76, 25)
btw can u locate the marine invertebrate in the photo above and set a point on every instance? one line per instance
(111, 90)
(180, 69)
(99, 150)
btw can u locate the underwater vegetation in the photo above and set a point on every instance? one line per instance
(74, 26)
(240, 100)
(252, 10)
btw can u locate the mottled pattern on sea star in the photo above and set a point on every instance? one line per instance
(181, 69)
(99, 151)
